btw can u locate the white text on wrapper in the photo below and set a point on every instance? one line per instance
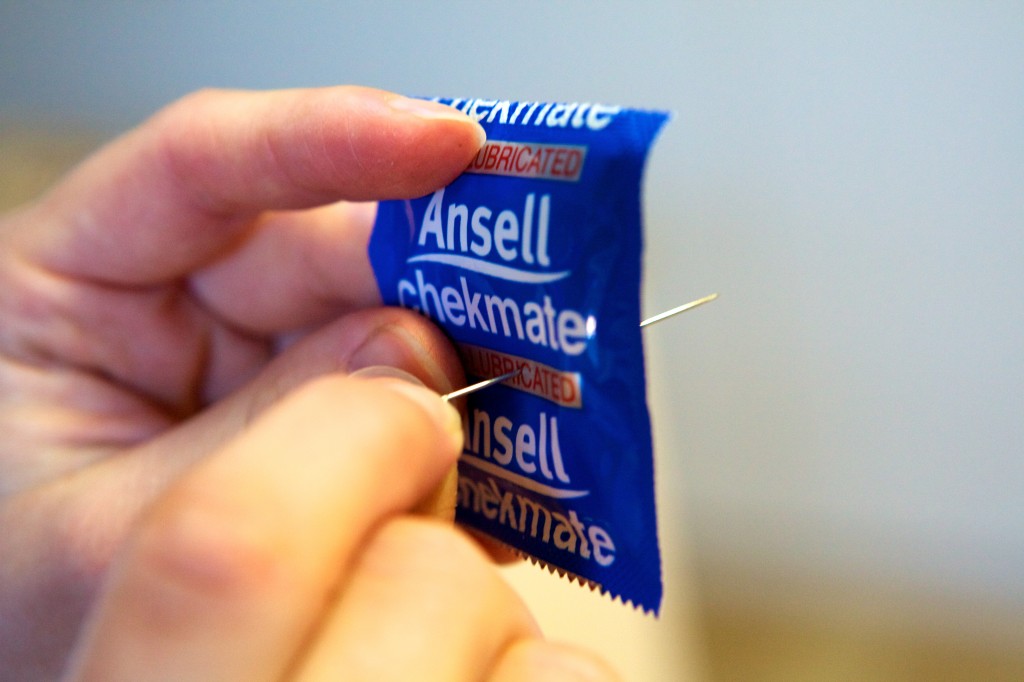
(511, 233)
(536, 519)
(537, 114)
(520, 240)
(531, 450)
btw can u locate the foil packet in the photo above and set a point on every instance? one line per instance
(531, 262)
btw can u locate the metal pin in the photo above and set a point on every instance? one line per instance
(480, 385)
(473, 388)
(675, 311)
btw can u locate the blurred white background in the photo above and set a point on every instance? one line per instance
(843, 430)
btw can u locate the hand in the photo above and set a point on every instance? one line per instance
(191, 487)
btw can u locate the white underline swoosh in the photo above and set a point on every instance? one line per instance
(488, 268)
(522, 481)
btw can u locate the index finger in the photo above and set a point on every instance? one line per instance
(182, 188)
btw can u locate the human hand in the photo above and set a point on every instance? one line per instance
(184, 456)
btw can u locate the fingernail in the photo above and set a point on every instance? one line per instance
(435, 110)
(401, 381)
(384, 372)
(392, 346)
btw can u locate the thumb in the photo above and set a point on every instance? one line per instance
(225, 574)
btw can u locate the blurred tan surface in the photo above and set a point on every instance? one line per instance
(721, 623)
(765, 627)
(32, 156)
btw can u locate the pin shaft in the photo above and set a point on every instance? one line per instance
(480, 385)
(680, 309)
(473, 388)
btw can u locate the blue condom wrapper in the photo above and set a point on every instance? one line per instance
(531, 260)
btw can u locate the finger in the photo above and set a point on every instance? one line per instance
(66, 420)
(167, 347)
(182, 188)
(152, 341)
(537, 660)
(233, 565)
(392, 337)
(295, 269)
(440, 503)
(424, 603)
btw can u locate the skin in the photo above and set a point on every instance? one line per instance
(192, 485)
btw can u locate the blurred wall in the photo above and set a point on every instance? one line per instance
(849, 176)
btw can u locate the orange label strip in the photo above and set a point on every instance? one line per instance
(554, 385)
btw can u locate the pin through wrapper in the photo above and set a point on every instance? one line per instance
(480, 385)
